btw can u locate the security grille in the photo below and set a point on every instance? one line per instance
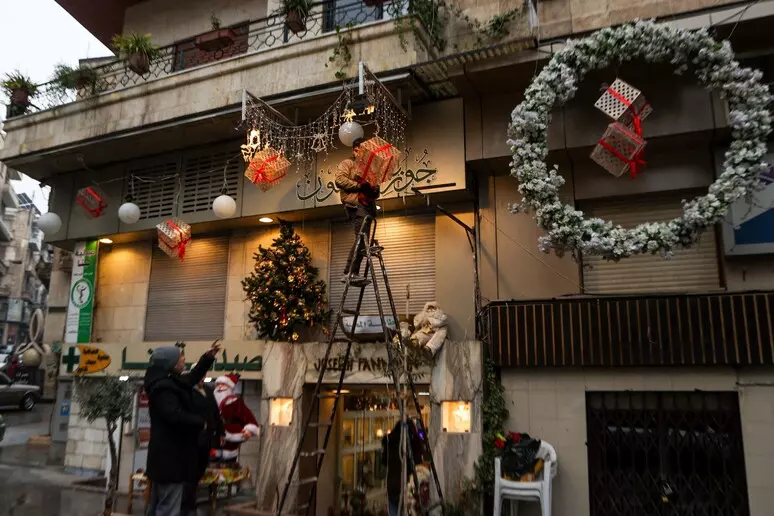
(154, 190)
(665, 454)
(203, 179)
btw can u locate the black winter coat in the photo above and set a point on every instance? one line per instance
(206, 406)
(391, 458)
(176, 428)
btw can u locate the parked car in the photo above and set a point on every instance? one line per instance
(2, 428)
(17, 394)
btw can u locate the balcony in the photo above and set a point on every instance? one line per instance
(648, 330)
(186, 84)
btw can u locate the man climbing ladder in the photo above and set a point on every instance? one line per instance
(369, 249)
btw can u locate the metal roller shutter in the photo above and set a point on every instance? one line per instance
(689, 270)
(187, 301)
(409, 255)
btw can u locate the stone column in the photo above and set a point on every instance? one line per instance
(457, 376)
(284, 367)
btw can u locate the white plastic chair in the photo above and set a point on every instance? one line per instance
(537, 491)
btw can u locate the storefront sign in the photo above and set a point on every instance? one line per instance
(243, 357)
(81, 307)
(368, 363)
(367, 324)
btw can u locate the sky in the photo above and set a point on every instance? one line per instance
(36, 35)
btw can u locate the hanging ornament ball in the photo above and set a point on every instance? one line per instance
(129, 213)
(49, 223)
(349, 132)
(224, 207)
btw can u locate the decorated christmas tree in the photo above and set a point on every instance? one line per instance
(283, 288)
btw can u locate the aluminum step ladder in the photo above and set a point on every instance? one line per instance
(369, 247)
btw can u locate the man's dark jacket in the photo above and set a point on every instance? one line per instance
(206, 406)
(176, 428)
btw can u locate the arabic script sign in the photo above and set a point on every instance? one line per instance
(244, 357)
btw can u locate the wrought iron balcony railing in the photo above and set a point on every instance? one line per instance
(249, 37)
(667, 329)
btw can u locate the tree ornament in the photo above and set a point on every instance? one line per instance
(129, 213)
(224, 206)
(49, 223)
(713, 62)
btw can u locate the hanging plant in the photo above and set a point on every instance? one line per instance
(83, 78)
(341, 55)
(713, 64)
(494, 416)
(137, 51)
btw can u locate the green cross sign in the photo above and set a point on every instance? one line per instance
(71, 360)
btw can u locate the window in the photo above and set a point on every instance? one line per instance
(340, 13)
(689, 270)
(409, 255)
(187, 301)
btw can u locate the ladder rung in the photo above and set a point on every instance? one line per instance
(377, 249)
(305, 481)
(348, 311)
(321, 451)
(321, 424)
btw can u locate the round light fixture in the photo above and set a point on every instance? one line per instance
(49, 223)
(349, 132)
(224, 206)
(129, 213)
(266, 220)
(105, 241)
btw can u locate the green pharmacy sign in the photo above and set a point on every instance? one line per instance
(80, 309)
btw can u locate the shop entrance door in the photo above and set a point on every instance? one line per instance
(665, 454)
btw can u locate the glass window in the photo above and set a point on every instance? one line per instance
(343, 13)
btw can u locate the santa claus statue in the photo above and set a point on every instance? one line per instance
(238, 420)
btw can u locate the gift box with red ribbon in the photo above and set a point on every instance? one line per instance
(93, 200)
(377, 161)
(174, 236)
(625, 104)
(267, 168)
(619, 150)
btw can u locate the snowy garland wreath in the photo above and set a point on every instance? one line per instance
(713, 64)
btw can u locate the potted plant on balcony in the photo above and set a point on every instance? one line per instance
(216, 39)
(137, 51)
(82, 79)
(295, 13)
(20, 89)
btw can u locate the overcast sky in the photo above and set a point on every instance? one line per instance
(35, 36)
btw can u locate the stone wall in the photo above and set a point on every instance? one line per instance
(121, 296)
(551, 405)
(87, 445)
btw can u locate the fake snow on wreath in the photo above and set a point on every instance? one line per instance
(714, 66)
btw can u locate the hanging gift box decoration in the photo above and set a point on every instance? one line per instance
(93, 200)
(174, 236)
(377, 161)
(619, 150)
(267, 168)
(625, 104)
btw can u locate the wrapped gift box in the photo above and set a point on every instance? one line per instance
(625, 104)
(619, 150)
(174, 235)
(377, 161)
(93, 200)
(267, 168)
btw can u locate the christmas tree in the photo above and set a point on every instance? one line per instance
(283, 288)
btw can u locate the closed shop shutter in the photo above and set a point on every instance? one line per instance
(689, 270)
(187, 301)
(409, 255)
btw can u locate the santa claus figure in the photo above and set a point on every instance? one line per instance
(238, 420)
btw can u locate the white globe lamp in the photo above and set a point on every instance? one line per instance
(49, 223)
(224, 206)
(129, 213)
(349, 132)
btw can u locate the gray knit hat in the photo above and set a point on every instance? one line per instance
(166, 357)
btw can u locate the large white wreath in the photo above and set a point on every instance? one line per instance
(713, 64)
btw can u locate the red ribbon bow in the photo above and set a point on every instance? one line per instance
(633, 163)
(183, 241)
(101, 205)
(636, 120)
(260, 175)
(371, 157)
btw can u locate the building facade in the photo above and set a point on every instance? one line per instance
(589, 353)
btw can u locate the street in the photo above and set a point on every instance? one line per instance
(22, 425)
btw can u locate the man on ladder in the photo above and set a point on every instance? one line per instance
(359, 200)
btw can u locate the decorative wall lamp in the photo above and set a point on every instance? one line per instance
(455, 416)
(280, 411)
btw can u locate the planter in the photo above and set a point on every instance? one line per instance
(20, 97)
(84, 81)
(215, 40)
(373, 3)
(139, 63)
(295, 22)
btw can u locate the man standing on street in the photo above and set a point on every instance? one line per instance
(359, 200)
(176, 428)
